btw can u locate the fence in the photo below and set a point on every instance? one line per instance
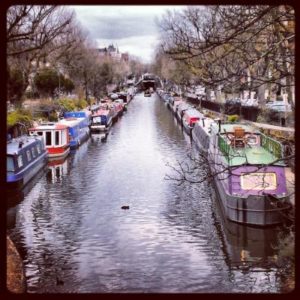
(249, 113)
(271, 145)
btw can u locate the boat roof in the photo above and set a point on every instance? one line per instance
(49, 126)
(101, 112)
(13, 145)
(70, 122)
(184, 105)
(250, 155)
(255, 155)
(192, 112)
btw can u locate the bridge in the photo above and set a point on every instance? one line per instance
(148, 81)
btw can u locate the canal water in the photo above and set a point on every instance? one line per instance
(74, 236)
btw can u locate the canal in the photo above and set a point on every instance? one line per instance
(74, 237)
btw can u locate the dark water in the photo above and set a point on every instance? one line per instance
(74, 236)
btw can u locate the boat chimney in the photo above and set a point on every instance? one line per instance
(20, 144)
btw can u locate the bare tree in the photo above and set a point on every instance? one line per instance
(227, 45)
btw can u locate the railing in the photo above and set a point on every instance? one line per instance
(223, 146)
(272, 146)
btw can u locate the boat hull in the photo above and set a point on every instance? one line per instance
(60, 153)
(23, 177)
(256, 210)
(201, 140)
(81, 138)
(187, 128)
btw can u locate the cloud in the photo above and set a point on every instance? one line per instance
(131, 27)
(142, 46)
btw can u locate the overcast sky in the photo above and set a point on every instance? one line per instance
(132, 28)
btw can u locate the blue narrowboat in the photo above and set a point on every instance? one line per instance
(25, 156)
(78, 129)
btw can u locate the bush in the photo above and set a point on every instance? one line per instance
(233, 118)
(53, 116)
(22, 116)
(81, 104)
(67, 104)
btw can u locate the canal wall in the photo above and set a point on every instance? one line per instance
(15, 280)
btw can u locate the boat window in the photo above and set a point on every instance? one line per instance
(48, 138)
(56, 137)
(97, 120)
(63, 137)
(20, 161)
(40, 132)
(258, 181)
(38, 148)
(10, 166)
(28, 155)
(33, 152)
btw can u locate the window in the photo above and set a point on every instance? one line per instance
(33, 152)
(57, 138)
(96, 120)
(10, 166)
(20, 161)
(259, 181)
(38, 148)
(40, 133)
(48, 138)
(28, 155)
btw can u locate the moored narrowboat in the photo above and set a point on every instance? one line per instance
(190, 117)
(78, 130)
(201, 133)
(181, 108)
(56, 138)
(249, 174)
(101, 119)
(174, 104)
(25, 156)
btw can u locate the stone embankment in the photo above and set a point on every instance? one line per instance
(15, 281)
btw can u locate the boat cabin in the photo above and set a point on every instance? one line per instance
(25, 155)
(56, 137)
(191, 116)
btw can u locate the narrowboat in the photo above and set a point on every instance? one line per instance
(249, 174)
(174, 103)
(78, 130)
(25, 156)
(116, 110)
(147, 93)
(122, 106)
(190, 117)
(125, 97)
(180, 110)
(85, 114)
(56, 138)
(201, 133)
(102, 119)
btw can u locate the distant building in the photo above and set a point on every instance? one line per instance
(125, 57)
(114, 53)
